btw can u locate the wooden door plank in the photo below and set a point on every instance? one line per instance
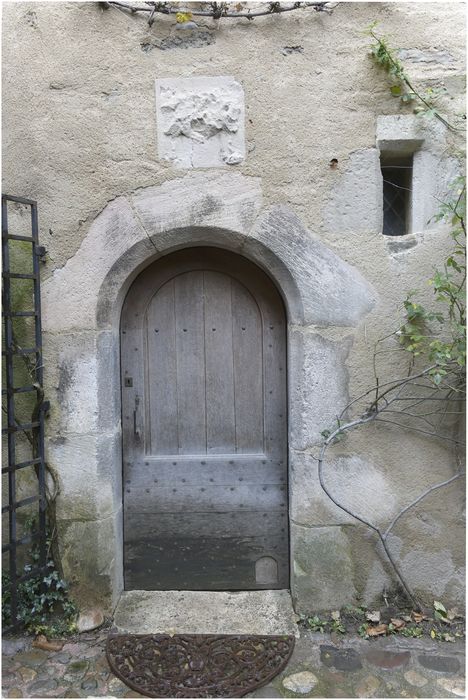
(195, 473)
(248, 370)
(190, 354)
(162, 372)
(274, 344)
(270, 523)
(206, 497)
(196, 563)
(133, 396)
(220, 414)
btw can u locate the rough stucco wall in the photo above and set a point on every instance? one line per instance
(79, 130)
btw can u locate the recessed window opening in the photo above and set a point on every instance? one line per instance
(397, 174)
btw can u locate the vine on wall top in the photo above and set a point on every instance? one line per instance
(216, 10)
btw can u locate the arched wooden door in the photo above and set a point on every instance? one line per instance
(203, 358)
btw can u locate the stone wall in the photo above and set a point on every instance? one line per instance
(123, 174)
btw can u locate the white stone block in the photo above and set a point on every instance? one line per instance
(318, 383)
(200, 121)
(355, 204)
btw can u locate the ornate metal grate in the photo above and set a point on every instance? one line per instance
(22, 394)
(197, 665)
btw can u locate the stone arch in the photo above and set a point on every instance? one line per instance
(81, 312)
(122, 273)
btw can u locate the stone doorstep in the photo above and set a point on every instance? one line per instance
(206, 612)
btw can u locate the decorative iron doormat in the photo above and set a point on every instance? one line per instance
(197, 665)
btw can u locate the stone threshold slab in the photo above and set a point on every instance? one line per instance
(206, 612)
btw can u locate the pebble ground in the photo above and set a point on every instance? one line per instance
(321, 667)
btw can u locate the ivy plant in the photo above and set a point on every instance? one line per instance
(43, 602)
(441, 335)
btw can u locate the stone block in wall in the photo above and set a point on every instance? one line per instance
(70, 378)
(70, 294)
(364, 488)
(318, 385)
(89, 472)
(82, 402)
(91, 561)
(310, 505)
(200, 121)
(322, 568)
(221, 200)
(333, 293)
(356, 201)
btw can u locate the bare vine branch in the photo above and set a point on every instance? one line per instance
(217, 9)
(418, 499)
(382, 535)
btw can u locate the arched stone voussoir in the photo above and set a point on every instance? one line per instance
(210, 199)
(121, 275)
(133, 230)
(69, 296)
(333, 293)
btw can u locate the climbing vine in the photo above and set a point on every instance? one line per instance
(428, 397)
(401, 85)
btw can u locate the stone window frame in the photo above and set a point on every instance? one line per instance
(433, 169)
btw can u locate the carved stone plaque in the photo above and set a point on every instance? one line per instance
(200, 121)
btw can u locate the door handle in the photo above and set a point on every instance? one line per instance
(136, 428)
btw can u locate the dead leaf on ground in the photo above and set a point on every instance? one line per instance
(453, 613)
(397, 623)
(376, 631)
(448, 637)
(373, 616)
(41, 642)
(418, 617)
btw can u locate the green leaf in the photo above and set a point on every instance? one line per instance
(439, 607)
(396, 90)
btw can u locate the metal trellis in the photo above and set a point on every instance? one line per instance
(17, 428)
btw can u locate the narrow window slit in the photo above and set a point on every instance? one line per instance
(397, 175)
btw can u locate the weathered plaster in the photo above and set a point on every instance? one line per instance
(108, 205)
